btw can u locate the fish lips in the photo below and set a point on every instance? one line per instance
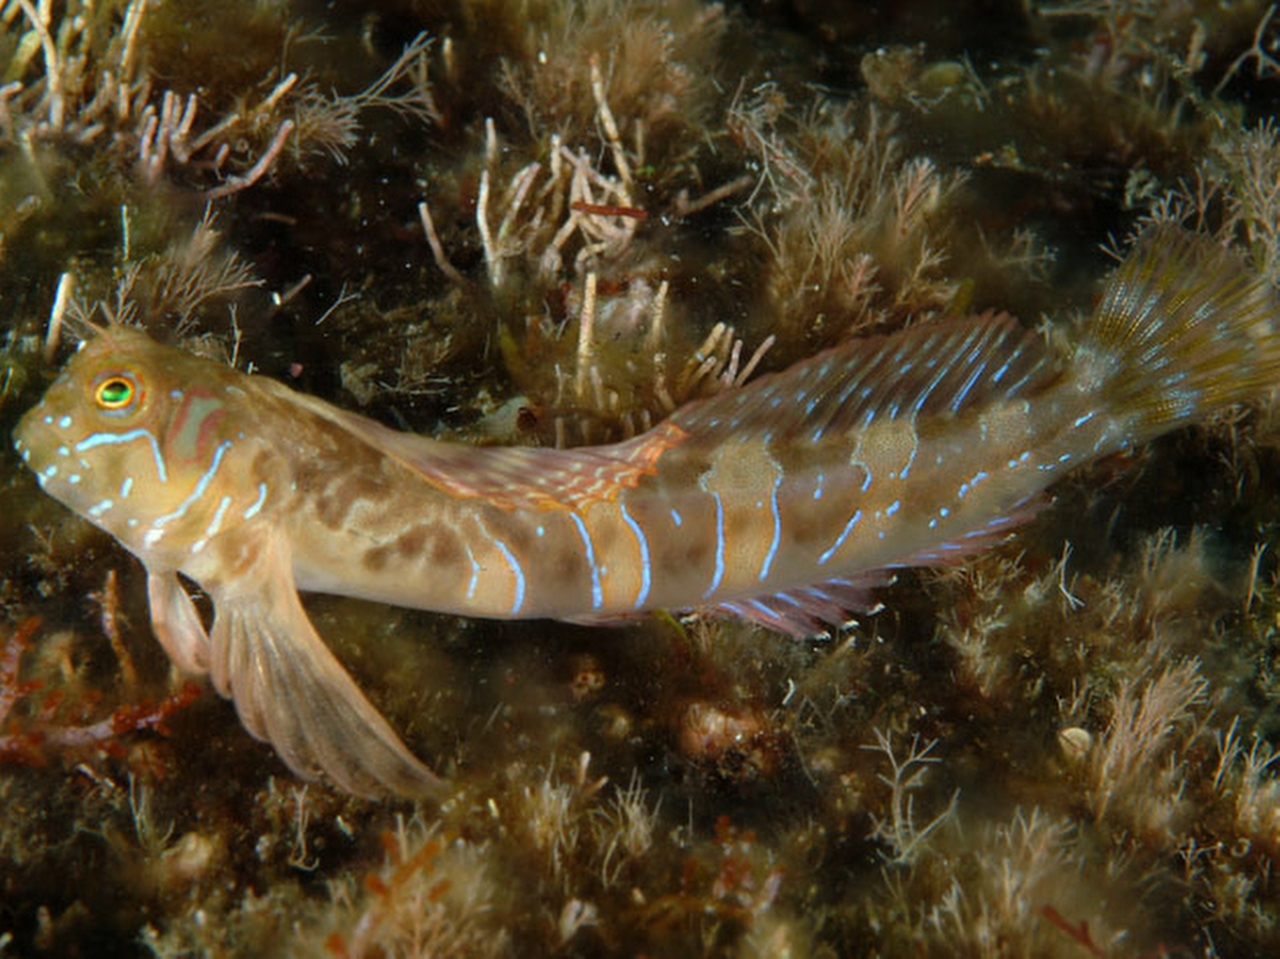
(43, 442)
(34, 433)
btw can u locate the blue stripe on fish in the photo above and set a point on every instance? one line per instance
(844, 534)
(98, 439)
(718, 575)
(777, 529)
(216, 523)
(475, 573)
(643, 544)
(518, 601)
(597, 591)
(256, 505)
(202, 484)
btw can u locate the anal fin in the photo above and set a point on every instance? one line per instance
(809, 610)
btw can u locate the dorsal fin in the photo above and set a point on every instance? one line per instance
(948, 366)
(541, 478)
(524, 477)
(944, 367)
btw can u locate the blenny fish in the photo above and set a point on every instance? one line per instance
(786, 501)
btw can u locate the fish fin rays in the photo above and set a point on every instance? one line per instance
(523, 477)
(949, 365)
(809, 610)
(176, 623)
(291, 691)
(516, 477)
(1184, 329)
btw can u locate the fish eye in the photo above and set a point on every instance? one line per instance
(115, 392)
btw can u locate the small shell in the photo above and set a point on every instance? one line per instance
(1075, 742)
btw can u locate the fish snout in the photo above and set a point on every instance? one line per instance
(26, 436)
(44, 443)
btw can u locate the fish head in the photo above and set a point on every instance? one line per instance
(143, 441)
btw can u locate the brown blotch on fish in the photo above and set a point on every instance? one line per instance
(375, 560)
(446, 550)
(344, 494)
(409, 543)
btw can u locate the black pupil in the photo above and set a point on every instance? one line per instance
(115, 391)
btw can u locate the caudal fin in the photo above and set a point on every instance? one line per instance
(1184, 330)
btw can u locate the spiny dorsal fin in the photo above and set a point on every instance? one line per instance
(516, 477)
(944, 367)
(535, 477)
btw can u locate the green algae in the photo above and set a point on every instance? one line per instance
(1063, 748)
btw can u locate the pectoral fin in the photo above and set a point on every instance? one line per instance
(291, 691)
(176, 623)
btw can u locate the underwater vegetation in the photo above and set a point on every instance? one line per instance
(553, 223)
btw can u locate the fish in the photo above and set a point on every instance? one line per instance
(787, 501)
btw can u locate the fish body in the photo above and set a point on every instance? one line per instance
(786, 501)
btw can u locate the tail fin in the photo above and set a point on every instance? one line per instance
(1184, 330)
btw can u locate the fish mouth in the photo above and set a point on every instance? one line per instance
(40, 445)
(22, 437)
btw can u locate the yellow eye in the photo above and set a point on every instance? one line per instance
(114, 393)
